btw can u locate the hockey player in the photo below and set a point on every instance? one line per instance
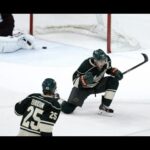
(40, 111)
(6, 24)
(16, 42)
(89, 79)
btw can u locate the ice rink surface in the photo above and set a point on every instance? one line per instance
(22, 73)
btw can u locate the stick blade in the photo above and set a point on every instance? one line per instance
(145, 57)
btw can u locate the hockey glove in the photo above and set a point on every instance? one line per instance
(57, 96)
(86, 79)
(117, 73)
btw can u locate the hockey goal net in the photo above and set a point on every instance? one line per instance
(100, 26)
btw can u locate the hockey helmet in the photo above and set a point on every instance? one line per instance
(49, 85)
(99, 54)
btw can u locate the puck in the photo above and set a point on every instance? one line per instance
(44, 47)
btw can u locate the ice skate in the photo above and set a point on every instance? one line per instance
(106, 111)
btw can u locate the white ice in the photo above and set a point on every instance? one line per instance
(22, 73)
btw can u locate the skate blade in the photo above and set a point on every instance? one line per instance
(104, 113)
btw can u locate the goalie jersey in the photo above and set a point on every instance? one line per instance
(40, 113)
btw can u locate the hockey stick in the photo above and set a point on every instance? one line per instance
(145, 60)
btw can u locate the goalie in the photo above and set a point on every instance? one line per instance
(89, 79)
(16, 42)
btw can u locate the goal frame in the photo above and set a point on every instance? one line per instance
(108, 39)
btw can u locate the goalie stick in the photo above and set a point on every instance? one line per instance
(145, 60)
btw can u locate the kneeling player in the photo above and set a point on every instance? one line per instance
(89, 79)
